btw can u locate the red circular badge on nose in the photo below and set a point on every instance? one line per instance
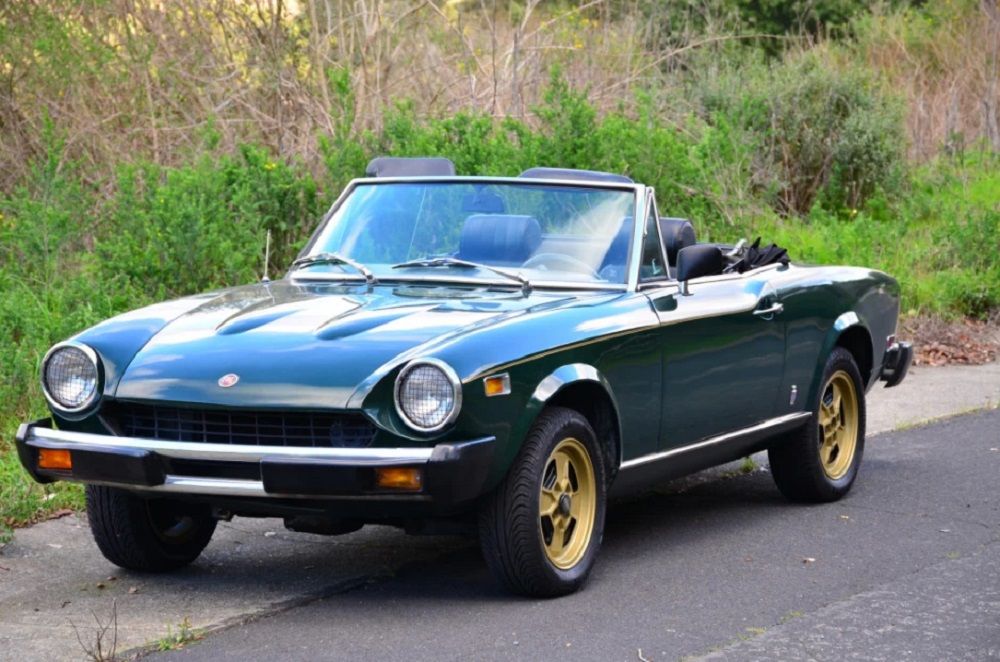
(226, 381)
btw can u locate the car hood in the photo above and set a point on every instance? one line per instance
(308, 345)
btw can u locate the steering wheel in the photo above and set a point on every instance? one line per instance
(573, 263)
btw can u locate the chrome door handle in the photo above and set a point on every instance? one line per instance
(773, 310)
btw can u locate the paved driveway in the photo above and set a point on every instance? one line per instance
(907, 567)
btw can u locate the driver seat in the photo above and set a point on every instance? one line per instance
(499, 239)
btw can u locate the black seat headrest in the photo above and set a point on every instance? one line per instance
(504, 239)
(483, 202)
(676, 233)
(397, 166)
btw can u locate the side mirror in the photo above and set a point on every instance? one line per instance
(696, 261)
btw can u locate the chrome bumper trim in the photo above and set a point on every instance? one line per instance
(185, 450)
(216, 486)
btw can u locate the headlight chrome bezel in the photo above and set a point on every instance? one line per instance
(456, 387)
(93, 398)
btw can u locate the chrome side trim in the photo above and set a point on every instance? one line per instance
(721, 439)
(846, 320)
(185, 450)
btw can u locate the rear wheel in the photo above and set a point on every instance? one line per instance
(819, 461)
(150, 535)
(541, 529)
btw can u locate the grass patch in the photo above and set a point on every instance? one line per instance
(23, 501)
(179, 638)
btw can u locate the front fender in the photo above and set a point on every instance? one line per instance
(558, 380)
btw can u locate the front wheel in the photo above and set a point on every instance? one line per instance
(819, 461)
(150, 535)
(541, 529)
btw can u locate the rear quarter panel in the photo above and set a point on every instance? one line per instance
(820, 304)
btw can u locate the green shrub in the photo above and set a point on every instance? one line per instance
(171, 231)
(822, 131)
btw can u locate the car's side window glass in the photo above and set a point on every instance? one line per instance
(652, 266)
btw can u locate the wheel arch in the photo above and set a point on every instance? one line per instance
(583, 388)
(851, 333)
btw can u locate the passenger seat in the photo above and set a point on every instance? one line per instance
(676, 233)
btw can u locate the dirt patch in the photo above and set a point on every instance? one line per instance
(941, 342)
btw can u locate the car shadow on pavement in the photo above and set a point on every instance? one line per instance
(636, 532)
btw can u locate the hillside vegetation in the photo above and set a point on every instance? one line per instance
(147, 147)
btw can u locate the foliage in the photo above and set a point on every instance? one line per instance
(170, 230)
(106, 209)
(823, 131)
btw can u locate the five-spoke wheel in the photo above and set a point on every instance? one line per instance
(820, 461)
(567, 502)
(838, 424)
(541, 528)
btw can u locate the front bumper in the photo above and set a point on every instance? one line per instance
(896, 363)
(452, 472)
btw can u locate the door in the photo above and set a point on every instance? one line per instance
(723, 355)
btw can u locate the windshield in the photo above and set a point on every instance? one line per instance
(541, 232)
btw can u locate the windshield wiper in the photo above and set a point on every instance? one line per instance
(335, 258)
(465, 264)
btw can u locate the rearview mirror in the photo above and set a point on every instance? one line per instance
(697, 261)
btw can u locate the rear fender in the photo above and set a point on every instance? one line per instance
(845, 321)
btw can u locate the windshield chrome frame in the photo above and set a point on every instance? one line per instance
(640, 193)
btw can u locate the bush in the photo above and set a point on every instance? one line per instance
(169, 231)
(825, 132)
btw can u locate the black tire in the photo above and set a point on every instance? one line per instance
(797, 464)
(148, 535)
(513, 535)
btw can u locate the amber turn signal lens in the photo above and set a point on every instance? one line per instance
(55, 458)
(399, 478)
(497, 385)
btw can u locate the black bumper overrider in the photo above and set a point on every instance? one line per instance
(452, 472)
(896, 363)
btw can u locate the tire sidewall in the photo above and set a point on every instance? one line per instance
(575, 426)
(840, 359)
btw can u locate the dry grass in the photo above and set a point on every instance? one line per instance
(152, 79)
(947, 68)
(156, 80)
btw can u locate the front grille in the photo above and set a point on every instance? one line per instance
(251, 428)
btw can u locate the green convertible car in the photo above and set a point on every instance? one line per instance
(495, 355)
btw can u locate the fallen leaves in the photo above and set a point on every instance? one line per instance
(966, 342)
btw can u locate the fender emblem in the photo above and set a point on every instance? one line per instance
(226, 381)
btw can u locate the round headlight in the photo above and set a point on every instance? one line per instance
(428, 395)
(70, 376)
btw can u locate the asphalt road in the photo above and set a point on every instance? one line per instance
(906, 567)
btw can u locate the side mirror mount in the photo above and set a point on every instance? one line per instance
(697, 261)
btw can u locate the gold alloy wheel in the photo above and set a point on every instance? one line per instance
(567, 503)
(838, 425)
